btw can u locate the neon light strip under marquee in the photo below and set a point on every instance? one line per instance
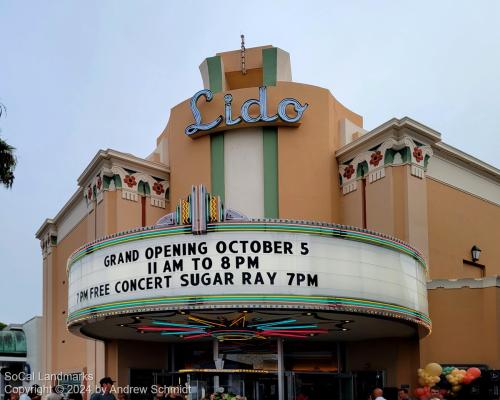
(252, 301)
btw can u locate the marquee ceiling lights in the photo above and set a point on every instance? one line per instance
(240, 328)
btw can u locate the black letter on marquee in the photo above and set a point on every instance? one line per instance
(304, 249)
(245, 278)
(253, 262)
(152, 267)
(312, 280)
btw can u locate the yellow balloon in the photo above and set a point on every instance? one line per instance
(456, 388)
(433, 369)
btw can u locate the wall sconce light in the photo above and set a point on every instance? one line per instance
(475, 253)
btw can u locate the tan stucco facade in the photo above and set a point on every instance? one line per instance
(395, 195)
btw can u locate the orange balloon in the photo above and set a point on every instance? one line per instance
(474, 372)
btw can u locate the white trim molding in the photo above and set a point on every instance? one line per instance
(465, 179)
(472, 283)
(465, 172)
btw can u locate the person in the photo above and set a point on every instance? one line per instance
(24, 395)
(75, 396)
(403, 394)
(35, 392)
(173, 393)
(378, 394)
(122, 396)
(14, 395)
(160, 393)
(435, 393)
(53, 395)
(105, 392)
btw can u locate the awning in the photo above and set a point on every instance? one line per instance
(12, 343)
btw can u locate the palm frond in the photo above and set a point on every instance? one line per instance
(8, 163)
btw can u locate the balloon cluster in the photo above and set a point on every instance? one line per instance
(457, 377)
(429, 376)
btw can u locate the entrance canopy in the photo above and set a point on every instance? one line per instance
(12, 344)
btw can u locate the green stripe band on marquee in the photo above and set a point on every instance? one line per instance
(250, 301)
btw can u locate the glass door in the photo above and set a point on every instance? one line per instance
(318, 386)
(249, 385)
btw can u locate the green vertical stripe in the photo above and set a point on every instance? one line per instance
(217, 161)
(214, 65)
(270, 141)
(215, 73)
(270, 66)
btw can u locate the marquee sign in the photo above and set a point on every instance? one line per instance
(263, 117)
(251, 263)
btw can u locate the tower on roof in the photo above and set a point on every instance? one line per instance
(245, 68)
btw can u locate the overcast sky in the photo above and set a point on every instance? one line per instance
(79, 76)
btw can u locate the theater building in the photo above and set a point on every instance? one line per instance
(272, 246)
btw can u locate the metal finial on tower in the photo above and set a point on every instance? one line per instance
(243, 51)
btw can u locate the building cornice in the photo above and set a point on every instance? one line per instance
(47, 234)
(46, 225)
(395, 128)
(110, 170)
(368, 156)
(122, 159)
(52, 222)
(395, 143)
(465, 160)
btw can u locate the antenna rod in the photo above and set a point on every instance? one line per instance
(243, 54)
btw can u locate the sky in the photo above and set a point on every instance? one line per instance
(79, 76)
